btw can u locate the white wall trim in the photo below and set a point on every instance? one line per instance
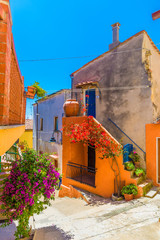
(157, 159)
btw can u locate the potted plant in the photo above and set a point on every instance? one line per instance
(40, 92)
(28, 190)
(139, 172)
(129, 191)
(129, 166)
(135, 158)
(35, 89)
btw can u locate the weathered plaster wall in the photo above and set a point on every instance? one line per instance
(125, 92)
(154, 66)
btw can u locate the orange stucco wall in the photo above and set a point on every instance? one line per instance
(77, 153)
(152, 133)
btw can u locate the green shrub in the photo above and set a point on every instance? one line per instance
(134, 156)
(129, 166)
(139, 171)
(40, 92)
(130, 189)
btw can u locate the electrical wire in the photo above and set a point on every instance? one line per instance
(67, 58)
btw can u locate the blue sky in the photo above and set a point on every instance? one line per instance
(57, 29)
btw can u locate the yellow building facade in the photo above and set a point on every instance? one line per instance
(27, 136)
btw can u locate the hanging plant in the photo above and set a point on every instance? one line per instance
(40, 92)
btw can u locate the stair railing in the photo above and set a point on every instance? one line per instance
(144, 153)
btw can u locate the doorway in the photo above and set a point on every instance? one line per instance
(91, 158)
(90, 99)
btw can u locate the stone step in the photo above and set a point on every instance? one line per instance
(146, 186)
(140, 179)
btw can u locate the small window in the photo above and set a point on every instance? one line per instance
(41, 124)
(56, 123)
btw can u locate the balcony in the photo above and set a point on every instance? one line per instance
(81, 173)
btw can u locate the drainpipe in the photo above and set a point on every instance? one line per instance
(71, 85)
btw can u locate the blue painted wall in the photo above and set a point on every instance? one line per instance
(49, 109)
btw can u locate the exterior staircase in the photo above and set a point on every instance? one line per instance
(144, 185)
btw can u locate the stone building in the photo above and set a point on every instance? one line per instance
(47, 124)
(123, 86)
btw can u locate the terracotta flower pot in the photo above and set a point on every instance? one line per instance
(128, 197)
(31, 92)
(71, 107)
(137, 164)
(139, 175)
(128, 169)
(31, 89)
(30, 95)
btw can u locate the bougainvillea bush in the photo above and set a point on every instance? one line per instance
(92, 133)
(28, 189)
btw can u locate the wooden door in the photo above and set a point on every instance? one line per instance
(91, 101)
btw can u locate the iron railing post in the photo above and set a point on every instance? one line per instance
(81, 173)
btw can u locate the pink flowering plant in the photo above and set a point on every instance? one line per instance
(28, 189)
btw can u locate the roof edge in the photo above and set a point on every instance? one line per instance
(52, 94)
(102, 55)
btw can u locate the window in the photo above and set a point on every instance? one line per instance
(56, 123)
(41, 124)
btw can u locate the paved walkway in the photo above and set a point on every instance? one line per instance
(137, 219)
(96, 221)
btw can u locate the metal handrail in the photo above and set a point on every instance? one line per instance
(81, 166)
(126, 135)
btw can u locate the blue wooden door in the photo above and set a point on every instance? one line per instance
(91, 101)
(127, 149)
